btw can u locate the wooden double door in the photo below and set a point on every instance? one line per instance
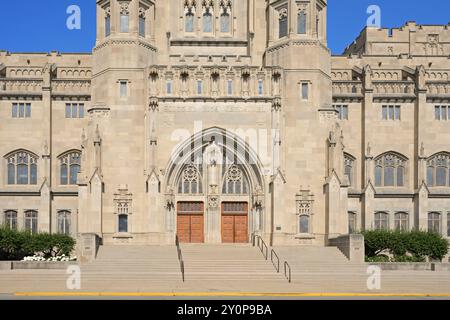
(190, 222)
(234, 222)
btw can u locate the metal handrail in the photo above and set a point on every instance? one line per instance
(286, 264)
(180, 256)
(274, 254)
(263, 247)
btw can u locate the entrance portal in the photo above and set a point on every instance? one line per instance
(190, 222)
(234, 222)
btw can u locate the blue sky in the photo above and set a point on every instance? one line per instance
(40, 26)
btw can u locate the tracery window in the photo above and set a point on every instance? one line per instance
(434, 222)
(31, 221)
(225, 16)
(11, 219)
(191, 180)
(282, 23)
(234, 181)
(301, 22)
(189, 17)
(381, 221)
(390, 170)
(401, 221)
(207, 21)
(70, 165)
(124, 16)
(64, 219)
(22, 168)
(438, 170)
(349, 168)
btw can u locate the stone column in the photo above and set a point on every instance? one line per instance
(213, 223)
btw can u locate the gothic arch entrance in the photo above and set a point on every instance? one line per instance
(215, 184)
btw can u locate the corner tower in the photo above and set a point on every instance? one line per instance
(310, 145)
(112, 197)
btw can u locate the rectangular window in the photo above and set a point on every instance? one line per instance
(260, 88)
(74, 110)
(199, 87)
(342, 111)
(142, 26)
(230, 87)
(123, 89)
(124, 22)
(14, 110)
(107, 26)
(81, 110)
(448, 224)
(437, 112)
(442, 113)
(384, 115)
(391, 112)
(21, 110)
(282, 25)
(305, 90)
(169, 87)
(27, 110)
(397, 112)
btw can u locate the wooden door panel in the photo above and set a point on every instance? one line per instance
(240, 229)
(197, 228)
(234, 222)
(227, 229)
(183, 228)
(190, 222)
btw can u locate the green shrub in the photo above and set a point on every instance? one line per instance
(413, 246)
(15, 245)
(376, 242)
(406, 258)
(380, 258)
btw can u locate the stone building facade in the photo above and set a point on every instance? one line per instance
(219, 119)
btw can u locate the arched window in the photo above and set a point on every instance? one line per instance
(304, 224)
(207, 21)
(401, 221)
(22, 168)
(301, 22)
(349, 168)
(234, 181)
(124, 17)
(64, 219)
(142, 21)
(434, 222)
(352, 223)
(282, 23)
(189, 19)
(11, 219)
(107, 22)
(191, 181)
(438, 170)
(225, 21)
(448, 224)
(70, 165)
(381, 221)
(390, 170)
(31, 221)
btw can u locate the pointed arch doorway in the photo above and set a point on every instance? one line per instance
(217, 186)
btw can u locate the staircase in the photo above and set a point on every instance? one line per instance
(227, 263)
(124, 268)
(313, 267)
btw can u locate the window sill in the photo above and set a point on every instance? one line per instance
(122, 235)
(304, 236)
